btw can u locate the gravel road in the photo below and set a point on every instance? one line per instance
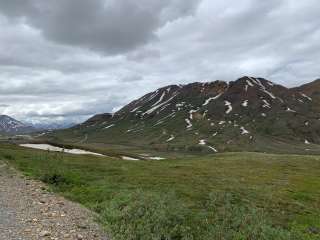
(28, 211)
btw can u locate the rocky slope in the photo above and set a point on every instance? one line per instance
(247, 114)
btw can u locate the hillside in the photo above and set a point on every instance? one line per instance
(247, 114)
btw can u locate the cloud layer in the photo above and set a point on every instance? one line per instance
(67, 60)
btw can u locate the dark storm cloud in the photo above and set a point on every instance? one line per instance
(69, 59)
(113, 26)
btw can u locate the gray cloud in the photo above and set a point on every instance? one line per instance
(113, 26)
(71, 59)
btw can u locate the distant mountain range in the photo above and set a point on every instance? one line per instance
(11, 126)
(52, 126)
(249, 114)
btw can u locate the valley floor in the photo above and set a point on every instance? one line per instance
(285, 187)
(28, 211)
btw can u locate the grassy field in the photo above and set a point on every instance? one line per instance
(284, 189)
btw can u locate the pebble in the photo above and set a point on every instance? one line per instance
(44, 234)
(28, 213)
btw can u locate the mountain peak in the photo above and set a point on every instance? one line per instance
(9, 125)
(245, 114)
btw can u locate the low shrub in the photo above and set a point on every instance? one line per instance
(54, 179)
(145, 216)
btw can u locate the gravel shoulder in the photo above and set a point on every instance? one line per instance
(28, 211)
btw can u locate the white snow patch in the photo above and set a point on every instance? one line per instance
(129, 158)
(250, 83)
(156, 158)
(269, 93)
(189, 123)
(52, 148)
(110, 126)
(135, 109)
(171, 138)
(213, 149)
(245, 103)
(266, 104)
(290, 110)
(307, 97)
(153, 96)
(210, 99)
(244, 131)
(180, 104)
(228, 104)
(151, 110)
(191, 112)
(160, 99)
(204, 143)
(263, 88)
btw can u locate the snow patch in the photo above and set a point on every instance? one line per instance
(213, 149)
(110, 126)
(244, 131)
(290, 110)
(52, 148)
(191, 112)
(228, 104)
(156, 158)
(134, 110)
(204, 143)
(266, 104)
(151, 110)
(129, 158)
(210, 99)
(189, 124)
(305, 96)
(249, 83)
(171, 138)
(160, 99)
(245, 103)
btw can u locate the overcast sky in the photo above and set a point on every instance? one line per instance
(70, 59)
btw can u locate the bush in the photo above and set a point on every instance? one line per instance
(55, 179)
(230, 219)
(145, 216)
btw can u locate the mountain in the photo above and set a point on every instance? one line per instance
(249, 114)
(11, 126)
(52, 126)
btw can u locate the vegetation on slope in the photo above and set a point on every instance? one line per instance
(222, 196)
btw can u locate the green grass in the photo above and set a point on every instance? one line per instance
(286, 188)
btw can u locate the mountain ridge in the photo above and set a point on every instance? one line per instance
(9, 125)
(216, 116)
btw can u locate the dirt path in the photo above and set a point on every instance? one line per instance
(28, 211)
